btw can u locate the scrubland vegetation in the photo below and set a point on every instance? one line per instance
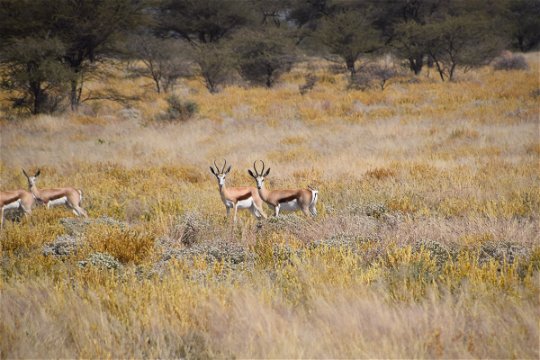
(426, 243)
(419, 133)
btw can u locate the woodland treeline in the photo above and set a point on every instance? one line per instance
(48, 48)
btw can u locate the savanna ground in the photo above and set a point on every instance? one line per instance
(426, 243)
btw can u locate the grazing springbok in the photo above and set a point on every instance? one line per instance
(16, 199)
(241, 197)
(286, 200)
(67, 196)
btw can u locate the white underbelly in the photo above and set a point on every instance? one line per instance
(60, 201)
(289, 205)
(242, 204)
(13, 205)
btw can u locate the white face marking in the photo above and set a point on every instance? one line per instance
(260, 181)
(221, 179)
(220, 174)
(32, 181)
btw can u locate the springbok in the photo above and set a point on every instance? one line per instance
(286, 200)
(67, 196)
(241, 197)
(16, 199)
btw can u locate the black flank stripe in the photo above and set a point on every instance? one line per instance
(287, 199)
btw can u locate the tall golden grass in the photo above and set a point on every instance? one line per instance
(426, 243)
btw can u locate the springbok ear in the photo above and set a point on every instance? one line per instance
(25, 174)
(212, 170)
(37, 173)
(267, 172)
(251, 173)
(228, 170)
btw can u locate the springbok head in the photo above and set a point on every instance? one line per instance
(220, 174)
(31, 179)
(259, 177)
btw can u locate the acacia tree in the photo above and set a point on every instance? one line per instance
(204, 21)
(410, 43)
(465, 41)
(88, 28)
(207, 25)
(30, 57)
(264, 56)
(524, 17)
(164, 60)
(418, 29)
(307, 13)
(32, 69)
(215, 62)
(402, 28)
(348, 35)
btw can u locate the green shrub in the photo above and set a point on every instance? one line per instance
(179, 110)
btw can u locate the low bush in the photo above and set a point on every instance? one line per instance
(509, 61)
(179, 110)
(373, 75)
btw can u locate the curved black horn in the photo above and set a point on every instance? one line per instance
(255, 167)
(217, 169)
(224, 164)
(262, 171)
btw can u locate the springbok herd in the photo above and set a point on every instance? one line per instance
(240, 197)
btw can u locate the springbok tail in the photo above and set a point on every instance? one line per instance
(314, 195)
(80, 196)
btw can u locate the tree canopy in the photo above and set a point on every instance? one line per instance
(47, 47)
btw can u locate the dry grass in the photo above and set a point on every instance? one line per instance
(426, 244)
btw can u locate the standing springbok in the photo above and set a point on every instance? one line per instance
(16, 199)
(67, 196)
(241, 197)
(286, 200)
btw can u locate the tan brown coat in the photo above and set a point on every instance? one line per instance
(240, 197)
(285, 199)
(15, 199)
(68, 196)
